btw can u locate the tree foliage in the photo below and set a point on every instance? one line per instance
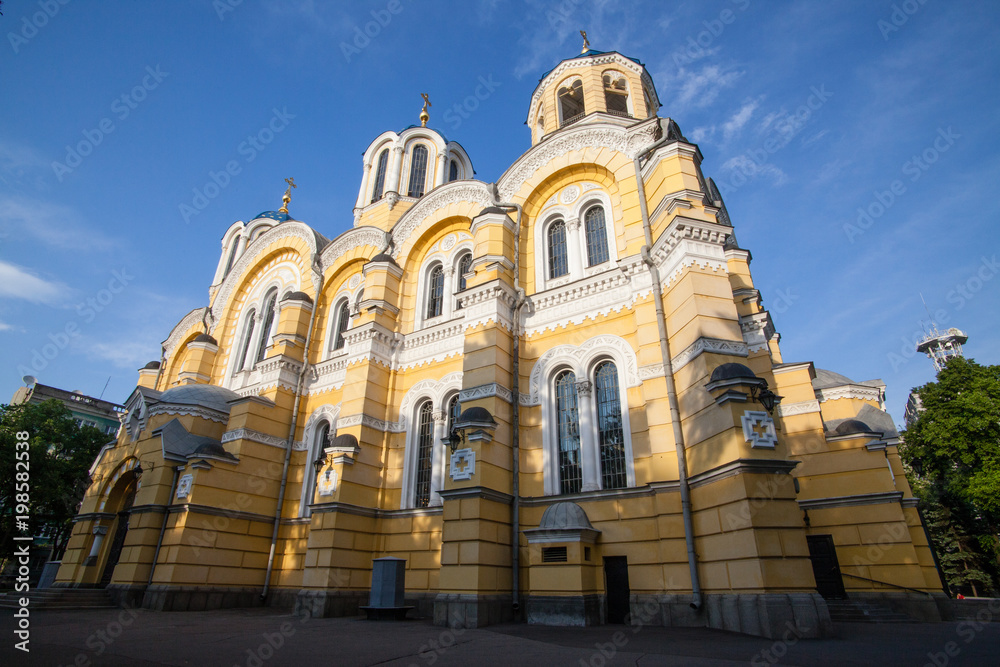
(953, 451)
(61, 454)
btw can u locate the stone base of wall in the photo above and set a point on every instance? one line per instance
(456, 610)
(576, 610)
(326, 604)
(199, 598)
(919, 607)
(127, 595)
(771, 615)
(980, 610)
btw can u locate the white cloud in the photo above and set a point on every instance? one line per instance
(19, 283)
(17, 162)
(123, 354)
(701, 88)
(752, 169)
(54, 225)
(738, 120)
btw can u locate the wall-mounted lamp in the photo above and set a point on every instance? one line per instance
(319, 463)
(455, 438)
(765, 396)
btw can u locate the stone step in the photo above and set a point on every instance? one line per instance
(65, 598)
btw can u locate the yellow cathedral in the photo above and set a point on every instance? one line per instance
(556, 398)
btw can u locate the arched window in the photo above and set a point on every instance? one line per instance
(232, 256)
(265, 329)
(567, 411)
(383, 159)
(558, 260)
(435, 291)
(597, 236)
(343, 319)
(425, 451)
(611, 438)
(320, 441)
(464, 266)
(454, 411)
(571, 102)
(247, 337)
(616, 93)
(453, 171)
(418, 171)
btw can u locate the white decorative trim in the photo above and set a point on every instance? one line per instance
(492, 302)
(597, 135)
(366, 420)
(349, 240)
(855, 391)
(290, 229)
(710, 345)
(601, 294)
(474, 192)
(464, 456)
(193, 410)
(369, 342)
(486, 391)
(262, 438)
(431, 345)
(650, 371)
(326, 375)
(180, 330)
(580, 358)
(757, 330)
(754, 418)
(801, 408)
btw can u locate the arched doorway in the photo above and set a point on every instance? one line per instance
(119, 498)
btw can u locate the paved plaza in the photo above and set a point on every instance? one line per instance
(267, 637)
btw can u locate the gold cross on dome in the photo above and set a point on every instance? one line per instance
(288, 195)
(586, 42)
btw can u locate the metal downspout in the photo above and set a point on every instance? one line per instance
(291, 431)
(668, 371)
(163, 527)
(516, 418)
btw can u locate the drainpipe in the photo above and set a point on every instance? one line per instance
(661, 323)
(163, 527)
(291, 429)
(516, 401)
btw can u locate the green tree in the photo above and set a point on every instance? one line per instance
(61, 454)
(953, 452)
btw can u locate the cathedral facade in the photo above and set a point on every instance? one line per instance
(558, 397)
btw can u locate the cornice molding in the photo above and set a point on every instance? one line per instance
(855, 391)
(474, 192)
(852, 501)
(800, 408)
(710, 345)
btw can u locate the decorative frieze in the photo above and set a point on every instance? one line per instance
(460, 191)
(711, 345)
(486, 391)
(801, 408)
(856, 391)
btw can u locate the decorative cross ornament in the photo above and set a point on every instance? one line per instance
(586, 42)
(758, 429)
(463, 464)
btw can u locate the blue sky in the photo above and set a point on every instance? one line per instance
(116, 114)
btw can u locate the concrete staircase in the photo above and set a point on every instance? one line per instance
(863, 611)
(59, 598)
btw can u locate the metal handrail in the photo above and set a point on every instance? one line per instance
(876, 581)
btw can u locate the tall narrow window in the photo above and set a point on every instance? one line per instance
(322, 439)
(597, 236)
(425, 451)
(611, 438)
(265, 330)
(435, 291)
(343, 319)
(453, 171)
(571, 102)
(464, 266)
(247, 338)
(383, 160)
(616, 94)
(570, 475)
(454, 411)
(232, 256)
(418, 171)
(558, 261)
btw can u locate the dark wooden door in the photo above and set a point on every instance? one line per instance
(826, 568)
(116, 548)
(616, 586)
